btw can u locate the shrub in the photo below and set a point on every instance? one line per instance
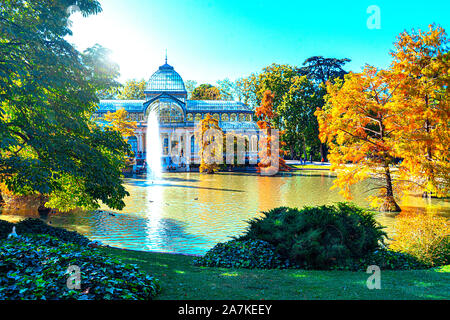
(36, 226)
(34, 267)
(241, 254)
(425, 237)
(318, 237)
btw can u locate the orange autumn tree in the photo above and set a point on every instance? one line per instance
(355, 123)
(266, 114)
(210, 144)
(421, 64)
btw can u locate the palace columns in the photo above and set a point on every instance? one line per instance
(140, 144)
(169, 135)
(187, 151)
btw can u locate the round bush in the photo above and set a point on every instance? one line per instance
(241, 254)
(34, 267)
(318, 237)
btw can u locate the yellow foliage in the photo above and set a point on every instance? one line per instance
(422, 109)
(426, 237)
(376, 117)
(355, 123)
(119, 121)
(210, 148)
(4, 189)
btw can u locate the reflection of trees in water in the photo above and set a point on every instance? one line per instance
(190, 212)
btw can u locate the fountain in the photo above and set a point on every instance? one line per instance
(153, 148)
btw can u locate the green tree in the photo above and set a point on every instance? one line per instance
(321, 70)
(133, 90)
(101, 71)
(48, 93)
(301, 130)
(227, 89)
(190, 86)
(206, 92)
(246, 89)
(276, 78)
(109, 94)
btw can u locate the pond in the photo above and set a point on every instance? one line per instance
(190, 212)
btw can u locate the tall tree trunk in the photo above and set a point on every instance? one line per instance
(429, 155)
(304, 148)
(323, 152)
(389, 204)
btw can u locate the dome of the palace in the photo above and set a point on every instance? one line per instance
(166, 79)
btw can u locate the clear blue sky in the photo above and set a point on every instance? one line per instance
(211, 40)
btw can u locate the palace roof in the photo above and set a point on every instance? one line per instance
(192, 106)
(165, 79)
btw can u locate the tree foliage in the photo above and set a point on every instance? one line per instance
(246, 89)
(266, 114)
(227, 89)
(321, 70)
(301, 130)
(133, 90)
(101, 71)
(356, 125)
(206, 92)
(377, 116)
(210, 144)
(190, 85)
(119, 121)
(48, 93)
(420, 67)
(282, 80)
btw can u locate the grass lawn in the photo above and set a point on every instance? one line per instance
(180, 280)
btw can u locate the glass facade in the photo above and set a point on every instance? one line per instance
(166, 79)
(165, 145)
(168, 111)
(166, 94)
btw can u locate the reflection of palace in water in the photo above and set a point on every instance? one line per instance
(166, 94)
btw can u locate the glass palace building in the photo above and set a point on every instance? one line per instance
(166, 94)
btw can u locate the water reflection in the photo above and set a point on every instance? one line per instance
(190, 212)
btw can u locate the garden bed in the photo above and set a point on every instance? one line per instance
(35, 266)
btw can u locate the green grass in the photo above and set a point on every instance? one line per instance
(180, 280)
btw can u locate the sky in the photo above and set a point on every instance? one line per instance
(210, 40)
